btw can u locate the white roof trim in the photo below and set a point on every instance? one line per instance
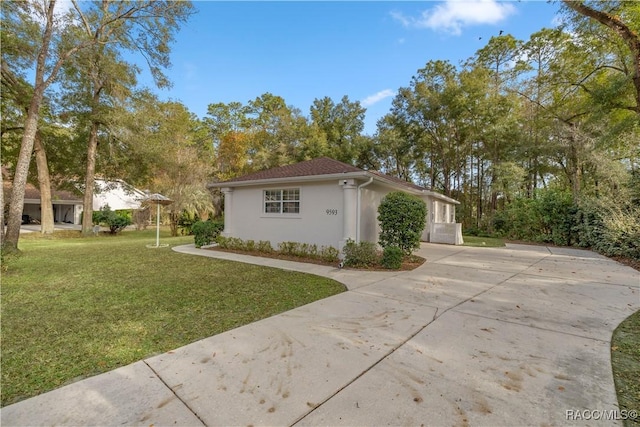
(330, 177)
(307, 178)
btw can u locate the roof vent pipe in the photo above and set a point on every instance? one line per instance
(359, 214)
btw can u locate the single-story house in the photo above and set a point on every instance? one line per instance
(68, 207)
(324, 202)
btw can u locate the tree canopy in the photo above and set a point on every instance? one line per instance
(557, 114)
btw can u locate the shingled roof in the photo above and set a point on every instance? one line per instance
(314, 167)
(32, 193)
(325, 166)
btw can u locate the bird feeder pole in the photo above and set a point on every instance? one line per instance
(158, 199)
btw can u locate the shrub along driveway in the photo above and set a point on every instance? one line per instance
(475, 336)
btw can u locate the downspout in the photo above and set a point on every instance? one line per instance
(358, 213)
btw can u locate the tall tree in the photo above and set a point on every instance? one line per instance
(342, 125)
(94, 81)
(51, 40)
(276, 132)
(500, 57)
(175, 146)
(623, 18)
(17, 93)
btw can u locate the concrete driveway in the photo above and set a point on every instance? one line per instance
(476, 336)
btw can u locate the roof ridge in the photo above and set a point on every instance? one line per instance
(318, 166)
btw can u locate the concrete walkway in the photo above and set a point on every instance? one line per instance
(476, 336)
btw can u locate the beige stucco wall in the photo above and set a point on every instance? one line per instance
(312, 225)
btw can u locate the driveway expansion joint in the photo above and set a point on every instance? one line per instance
(528, 325)
(195, 414)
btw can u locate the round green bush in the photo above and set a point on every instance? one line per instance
(402, 219)
(205, 232)
(392, 257)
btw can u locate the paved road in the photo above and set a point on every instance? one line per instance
(476, 336)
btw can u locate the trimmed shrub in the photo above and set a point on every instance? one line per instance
(289, 248)
(295, 249)
(363, 254)
(114, 220)
(402, 219)
(392, 257)
(329, 254)
(264, 246)
(206, 232)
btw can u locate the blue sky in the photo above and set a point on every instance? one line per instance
(236, 51)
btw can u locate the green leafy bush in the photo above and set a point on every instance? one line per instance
(606, 226)
(232, 243)
(264, 246)
(589, 226)
(548, 219)
(402, 219)
(329, 254)
(621, 234)
(289, 248)
(186, 221)
(206, 232)
(116, 221)
(295, 249)
(392, 257)
(363, 254)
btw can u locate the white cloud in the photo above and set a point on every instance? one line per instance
(398, 16)
(377, 97)
(452, 15)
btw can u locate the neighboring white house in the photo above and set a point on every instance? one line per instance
(324, 202)
(68, 207)
(117, 194)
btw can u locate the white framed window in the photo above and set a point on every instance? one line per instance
(282, 201)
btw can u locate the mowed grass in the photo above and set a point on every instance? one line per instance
(75, 307)
(489, 242)
(625, 359)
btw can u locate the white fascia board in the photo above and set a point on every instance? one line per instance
(309, 178)
(389, 183)
(415, 191)
(440, 196)
(329, 177)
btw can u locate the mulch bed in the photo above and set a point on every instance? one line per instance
(633, 263)
(408, 264)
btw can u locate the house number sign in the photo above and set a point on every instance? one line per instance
(332, 211)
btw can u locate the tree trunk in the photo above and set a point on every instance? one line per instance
(2, 213)
(44, 183)
(89, 181)
(174, 217)
(16, 204)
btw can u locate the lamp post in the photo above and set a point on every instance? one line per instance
(158, 199)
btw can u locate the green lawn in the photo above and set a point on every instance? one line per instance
(75, 307)
(489, 242)
(625, 359)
